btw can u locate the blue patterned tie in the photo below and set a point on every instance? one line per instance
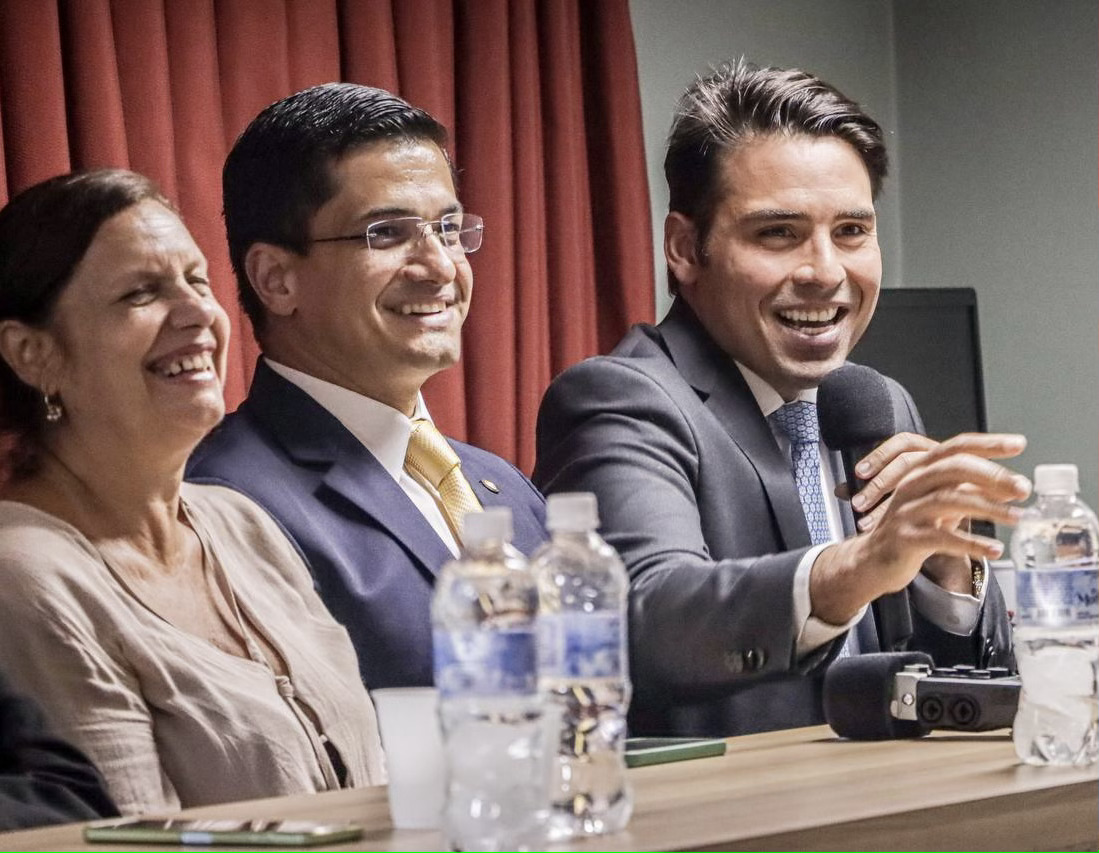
(798, 422)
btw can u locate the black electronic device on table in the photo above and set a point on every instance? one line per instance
(904, 695)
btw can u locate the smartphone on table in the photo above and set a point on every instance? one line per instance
(643, 751)
(260, 833)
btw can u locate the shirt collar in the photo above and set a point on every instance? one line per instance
(767, 398)
(381, 429)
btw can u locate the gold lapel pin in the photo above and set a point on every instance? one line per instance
(491, 486)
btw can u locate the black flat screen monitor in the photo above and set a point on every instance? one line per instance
(927, 339)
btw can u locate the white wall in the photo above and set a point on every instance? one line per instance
(991, 110)
(999, 126)
(846, 42)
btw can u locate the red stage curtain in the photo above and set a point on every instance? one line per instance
(543, 104)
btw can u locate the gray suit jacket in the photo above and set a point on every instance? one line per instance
(699, 500)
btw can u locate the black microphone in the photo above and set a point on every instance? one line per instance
(855, 411)
(903, 695)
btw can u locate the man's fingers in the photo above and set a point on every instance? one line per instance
(880, 461)
(945, 508)
(948, 507)
(870, 520)
(959, 543)
(990, 479)
(887, 479)
(903, 442)
(924, 540)
(987, 445)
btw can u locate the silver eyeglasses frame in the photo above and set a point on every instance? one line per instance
(463, 232)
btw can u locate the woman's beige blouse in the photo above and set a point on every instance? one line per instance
(171, 720)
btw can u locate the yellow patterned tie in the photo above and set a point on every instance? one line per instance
(431, 458)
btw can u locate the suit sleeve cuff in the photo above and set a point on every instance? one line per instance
(953, 612)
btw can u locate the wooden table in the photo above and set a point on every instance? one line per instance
(802, 789)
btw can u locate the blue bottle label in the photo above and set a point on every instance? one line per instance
(1057, 598)
(486, 663)
(581, 645)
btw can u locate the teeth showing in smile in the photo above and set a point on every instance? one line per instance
(188, 364)
(825, 315)
(423, 308)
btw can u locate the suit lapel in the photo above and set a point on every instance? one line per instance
(359, 478)
(718, 381)
(312, 437)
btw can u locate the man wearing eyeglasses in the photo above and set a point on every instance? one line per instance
(350, 250)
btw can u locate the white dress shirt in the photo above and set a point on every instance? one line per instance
(382, 430)
(954, 612)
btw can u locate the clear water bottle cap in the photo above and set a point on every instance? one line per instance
(575, 512)
(1056, 479)
(492, 523)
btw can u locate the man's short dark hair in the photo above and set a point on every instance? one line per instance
(279, 172)
(739, 102)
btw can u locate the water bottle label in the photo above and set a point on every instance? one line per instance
(484, 663)
(1057, 597)
(581, 645)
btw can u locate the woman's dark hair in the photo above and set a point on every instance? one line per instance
(44, 232)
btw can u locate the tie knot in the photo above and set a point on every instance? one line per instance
(798, 422)
(429, 454)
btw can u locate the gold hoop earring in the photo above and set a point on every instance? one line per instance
(54, 409)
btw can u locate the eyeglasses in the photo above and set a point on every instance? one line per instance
(458, 232)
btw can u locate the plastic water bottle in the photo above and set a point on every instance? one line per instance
(583, 668)
(1055, 549)
(494, 732)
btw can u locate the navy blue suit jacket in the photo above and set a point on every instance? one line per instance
(373, 556)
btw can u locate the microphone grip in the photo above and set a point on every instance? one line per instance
(893, 617)
(892, 614)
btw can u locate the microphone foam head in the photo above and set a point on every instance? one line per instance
(858, 691)
(855, 408)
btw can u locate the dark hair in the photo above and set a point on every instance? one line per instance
(741, 101)
(279, 172)
(44, 232)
